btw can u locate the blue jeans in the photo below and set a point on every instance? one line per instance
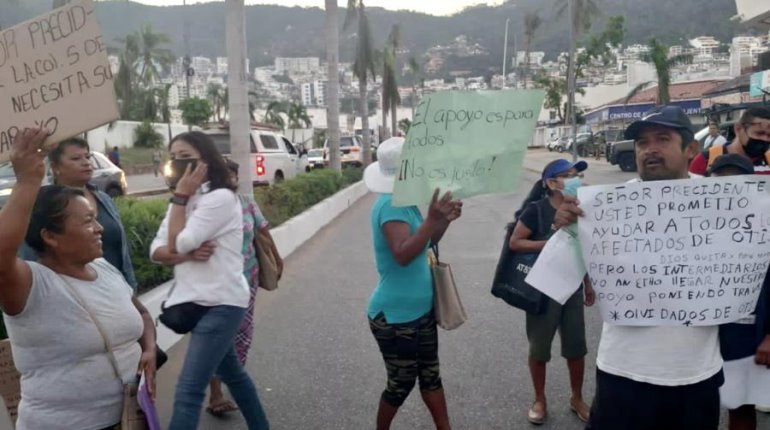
(211, 352)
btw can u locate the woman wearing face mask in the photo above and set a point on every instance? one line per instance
(532, 231)
(202, 237)
(71, 166)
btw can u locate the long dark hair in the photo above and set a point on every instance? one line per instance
(49, 213)
(538, 192)
(219, 174)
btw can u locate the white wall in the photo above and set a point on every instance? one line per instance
(122, 134)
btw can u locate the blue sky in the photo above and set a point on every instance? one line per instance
(434, 7)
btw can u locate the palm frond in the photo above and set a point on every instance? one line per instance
(351, 14)
(637, 89)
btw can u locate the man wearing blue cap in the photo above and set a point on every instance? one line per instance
(656, 377)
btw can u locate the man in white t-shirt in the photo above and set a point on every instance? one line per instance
(656, 378)
(714, 138)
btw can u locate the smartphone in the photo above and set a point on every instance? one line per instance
(178, 167)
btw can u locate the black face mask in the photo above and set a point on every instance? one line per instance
(178, 167)
(756, 148)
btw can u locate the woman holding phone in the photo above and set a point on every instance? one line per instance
(202, 237)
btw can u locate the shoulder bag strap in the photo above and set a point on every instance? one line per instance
(540, 227)
(99, 327)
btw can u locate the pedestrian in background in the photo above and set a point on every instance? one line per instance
(114, 157)
(532, 232)
(400, 310)
(202, 237)
(157, 158)
(745, 344)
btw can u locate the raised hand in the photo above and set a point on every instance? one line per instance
(191, 181)
(568, 213)
(28, 155)
(442, 209)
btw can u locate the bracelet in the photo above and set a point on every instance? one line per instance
(179, 199)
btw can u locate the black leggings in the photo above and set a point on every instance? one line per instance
(410, 351)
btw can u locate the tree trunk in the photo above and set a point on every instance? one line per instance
(384, 118)
(394, 117)
(333, 88)
(238, 82)
(528, 42)
(364, 111)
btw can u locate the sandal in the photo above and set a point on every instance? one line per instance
(220, 409)
(581, 410)
(537, 415)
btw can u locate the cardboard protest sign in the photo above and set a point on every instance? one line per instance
(681, 253)
(466, 142)
(10, 381)
(54, 73)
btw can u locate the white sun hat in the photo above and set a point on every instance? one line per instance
(380, 177)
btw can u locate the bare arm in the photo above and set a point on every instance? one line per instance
(405, 246)
(520, 241)
(147, 362)
(165, 257)
(27, 156)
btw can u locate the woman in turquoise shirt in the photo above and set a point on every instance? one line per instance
(401, 307)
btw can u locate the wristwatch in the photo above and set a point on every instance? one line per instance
(179, 199)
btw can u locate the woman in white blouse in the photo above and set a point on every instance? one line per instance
(202, 237)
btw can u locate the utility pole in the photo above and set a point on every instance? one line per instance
(505, 53)
(333, 100)
(186, 62)
(237, 83)
(572, 79)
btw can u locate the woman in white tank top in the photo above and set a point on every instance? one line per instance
(67, 379)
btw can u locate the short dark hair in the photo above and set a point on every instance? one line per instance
(714, 123)
(54, 157)
(687, 137)
(749, 115)
(219, 174)
(49, 213)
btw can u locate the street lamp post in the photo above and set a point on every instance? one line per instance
(237, 82)
(505, 53)
(572, 79)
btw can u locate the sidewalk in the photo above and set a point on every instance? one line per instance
(147, 183)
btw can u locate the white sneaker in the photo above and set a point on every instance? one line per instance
(765, 409)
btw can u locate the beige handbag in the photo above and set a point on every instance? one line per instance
(448, 307)
(268, 262)
(132, 417)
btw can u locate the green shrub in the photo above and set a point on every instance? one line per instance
(141, 219)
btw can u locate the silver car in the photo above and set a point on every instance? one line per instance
(107, 177)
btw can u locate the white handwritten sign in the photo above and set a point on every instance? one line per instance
(54, 73)
(687, 252)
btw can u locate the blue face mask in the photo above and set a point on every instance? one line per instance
(571, 186)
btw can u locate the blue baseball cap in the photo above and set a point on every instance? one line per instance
(560, 166)
(665, 116)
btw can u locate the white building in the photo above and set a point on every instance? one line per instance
(313, 93)
(221, 65)
(297, 64)
(705, 45)
(535, 58)
(639, 73)
(114, 63)
(203, 66)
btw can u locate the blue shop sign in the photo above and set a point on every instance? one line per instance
(634, 112)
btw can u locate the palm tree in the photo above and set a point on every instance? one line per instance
(164, 108)
(416, 71)
(153, 59)
(253, 100)
(390, 97)
(658, 57)
(126, 78)
(333, 93)
(273, 114)
(298, 118)
(532, 22)
(362, 67)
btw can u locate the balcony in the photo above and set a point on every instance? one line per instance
(753, 13)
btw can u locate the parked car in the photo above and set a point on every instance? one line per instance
(107, 177)
(622, 154)
(351, 151)
(273, 157)
(315, 158)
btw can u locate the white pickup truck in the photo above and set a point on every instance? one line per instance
(273, 157)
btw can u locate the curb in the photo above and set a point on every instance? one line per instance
(147, 193)
(289, 237)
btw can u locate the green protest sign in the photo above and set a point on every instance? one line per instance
(466, 142)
